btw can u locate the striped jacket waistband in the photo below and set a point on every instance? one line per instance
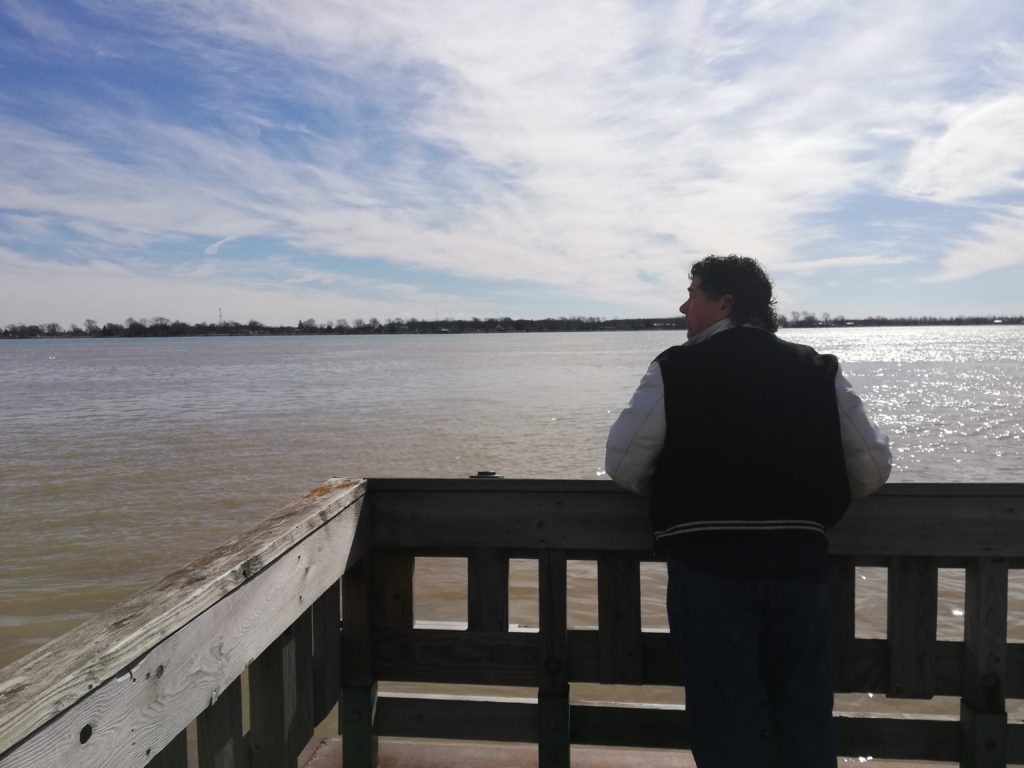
(752, 526)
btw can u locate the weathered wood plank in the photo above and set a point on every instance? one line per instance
(358, 723)
(645, 726)
(868, 660)
(356, 639)
(842, 584)
(500, 486)
(912, 622)
(553, 734)
(298, 661)
(280, 697)
(464, 719)
(174, 755)
(358, 672)
(392, 584)
(513, 520)
(1015, 744)
(553, 737)
(488, 590)
(619, 629)
(659, 665)
(219, 737)
(47, 682)
(985, 622)
(932, 519)
(982, 738)
(272, 704)
(983, 707)
(155, 696)
(554, 632)
(466, 657)
(898, 739)
(867, 668)
(630, 726)
(326, 652)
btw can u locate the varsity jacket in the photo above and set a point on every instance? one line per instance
(750, 447)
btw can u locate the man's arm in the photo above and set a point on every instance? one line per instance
(638, 435)
(865, 446)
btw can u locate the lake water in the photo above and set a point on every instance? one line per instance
(122, 459)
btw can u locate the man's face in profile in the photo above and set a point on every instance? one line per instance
(701, 310)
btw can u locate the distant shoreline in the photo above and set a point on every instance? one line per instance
(162, 328)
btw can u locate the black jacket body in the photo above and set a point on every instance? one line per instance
(752, 471)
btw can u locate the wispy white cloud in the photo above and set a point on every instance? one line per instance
(214, 248)
(978, 152)
(811, 266)
(997, 243)
(37, 22)
(594, 148)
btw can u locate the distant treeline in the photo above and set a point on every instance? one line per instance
(161, 326)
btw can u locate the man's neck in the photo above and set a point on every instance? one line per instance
(722, 325)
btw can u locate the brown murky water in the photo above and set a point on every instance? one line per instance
(122, 459)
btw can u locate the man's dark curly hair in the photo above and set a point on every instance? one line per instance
(743, 279)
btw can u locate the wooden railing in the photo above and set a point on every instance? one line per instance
(121, 689)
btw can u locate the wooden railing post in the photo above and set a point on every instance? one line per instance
(358, 681)
(983, 706)
(553, 736)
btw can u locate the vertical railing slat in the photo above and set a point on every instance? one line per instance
(392, 601)
(268, 734)
(299, 683)
(620, 640)
(912, 621)
(983, 707)
(488, 590)
(219, 731)
(553, 738)
(842, 584)
(280, 694)
(174, 755)
(326, 652)
(358, 686)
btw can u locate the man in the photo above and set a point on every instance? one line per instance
(750, 448)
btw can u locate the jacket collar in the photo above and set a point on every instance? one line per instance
(722, 325)
(715, 328)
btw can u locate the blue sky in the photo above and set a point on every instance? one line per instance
(285, 159)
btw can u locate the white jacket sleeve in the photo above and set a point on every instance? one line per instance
(638, 435)
(866, 447)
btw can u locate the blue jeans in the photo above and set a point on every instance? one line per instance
(744, 644)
